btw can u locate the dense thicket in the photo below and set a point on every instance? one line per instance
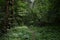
(41, 12)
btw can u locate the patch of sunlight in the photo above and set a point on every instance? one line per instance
(19, 28)
(23, 27)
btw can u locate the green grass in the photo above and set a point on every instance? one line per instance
(33, 33)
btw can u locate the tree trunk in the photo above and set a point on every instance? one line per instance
(7, 23)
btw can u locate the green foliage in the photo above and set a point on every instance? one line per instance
(33, 33)
(43, 10)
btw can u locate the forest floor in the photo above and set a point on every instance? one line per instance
(33, 33)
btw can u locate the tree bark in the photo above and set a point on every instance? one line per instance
(7, 22)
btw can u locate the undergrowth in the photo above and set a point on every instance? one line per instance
(32, 33)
